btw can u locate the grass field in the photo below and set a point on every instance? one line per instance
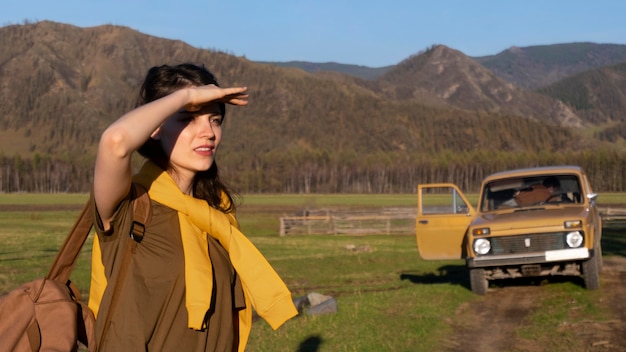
(388, 298)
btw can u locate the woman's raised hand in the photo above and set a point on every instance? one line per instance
(201, 95)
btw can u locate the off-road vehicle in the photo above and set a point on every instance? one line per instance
(528, 223)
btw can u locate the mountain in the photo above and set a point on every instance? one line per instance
(61, 85)
(459, 81)
(599, 96)
(533, 67)
(360, 71)
(529, 67)
(67, 83)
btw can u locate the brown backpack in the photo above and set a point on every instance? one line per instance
(47, 314)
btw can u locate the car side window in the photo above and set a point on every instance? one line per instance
(443, 200)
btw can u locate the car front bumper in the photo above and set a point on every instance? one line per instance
(561, 255)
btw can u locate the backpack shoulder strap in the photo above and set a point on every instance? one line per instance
(65, 259)
(142, 212)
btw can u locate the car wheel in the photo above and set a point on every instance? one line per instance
(478, 282)
(591, 274)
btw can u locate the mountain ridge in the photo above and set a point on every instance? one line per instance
(463, 83)
(61, 85)
(531, 67)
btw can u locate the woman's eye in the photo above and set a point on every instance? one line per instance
(216, 121)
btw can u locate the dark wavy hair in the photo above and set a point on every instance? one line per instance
(164, 80)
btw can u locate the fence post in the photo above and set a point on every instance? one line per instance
(281, 231)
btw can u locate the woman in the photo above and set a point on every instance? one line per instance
(194, 278)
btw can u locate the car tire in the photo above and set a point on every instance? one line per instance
(591, 273)
(478, 282)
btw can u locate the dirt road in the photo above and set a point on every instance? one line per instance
(492, 324)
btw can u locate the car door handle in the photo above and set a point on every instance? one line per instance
(424, 222)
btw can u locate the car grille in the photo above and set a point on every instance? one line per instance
(528, 243)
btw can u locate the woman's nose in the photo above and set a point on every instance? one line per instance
(206, 128)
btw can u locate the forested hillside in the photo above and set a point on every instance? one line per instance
(61, 85)
(531, 67)
(461, 82)
(599, 96)
(538, 66)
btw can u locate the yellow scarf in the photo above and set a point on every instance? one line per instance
(262, 286)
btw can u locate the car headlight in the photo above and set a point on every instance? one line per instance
(574, 239)
(482, 246)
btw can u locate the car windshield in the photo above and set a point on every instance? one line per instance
(531, 191)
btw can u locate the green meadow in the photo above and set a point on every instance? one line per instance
(389, 299)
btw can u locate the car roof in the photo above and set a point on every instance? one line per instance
(536, 171)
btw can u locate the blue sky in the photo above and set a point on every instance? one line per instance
(365, 32)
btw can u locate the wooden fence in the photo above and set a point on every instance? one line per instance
(613, 213)
(387, 221)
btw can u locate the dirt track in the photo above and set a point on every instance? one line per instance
(492, 325)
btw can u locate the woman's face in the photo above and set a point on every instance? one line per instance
(191, 138)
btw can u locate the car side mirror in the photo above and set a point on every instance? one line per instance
(592, 197)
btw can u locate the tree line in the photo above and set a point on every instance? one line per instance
(321, 172)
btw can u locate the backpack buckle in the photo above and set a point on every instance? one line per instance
(137, 231)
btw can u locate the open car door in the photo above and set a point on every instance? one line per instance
(443, 215)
